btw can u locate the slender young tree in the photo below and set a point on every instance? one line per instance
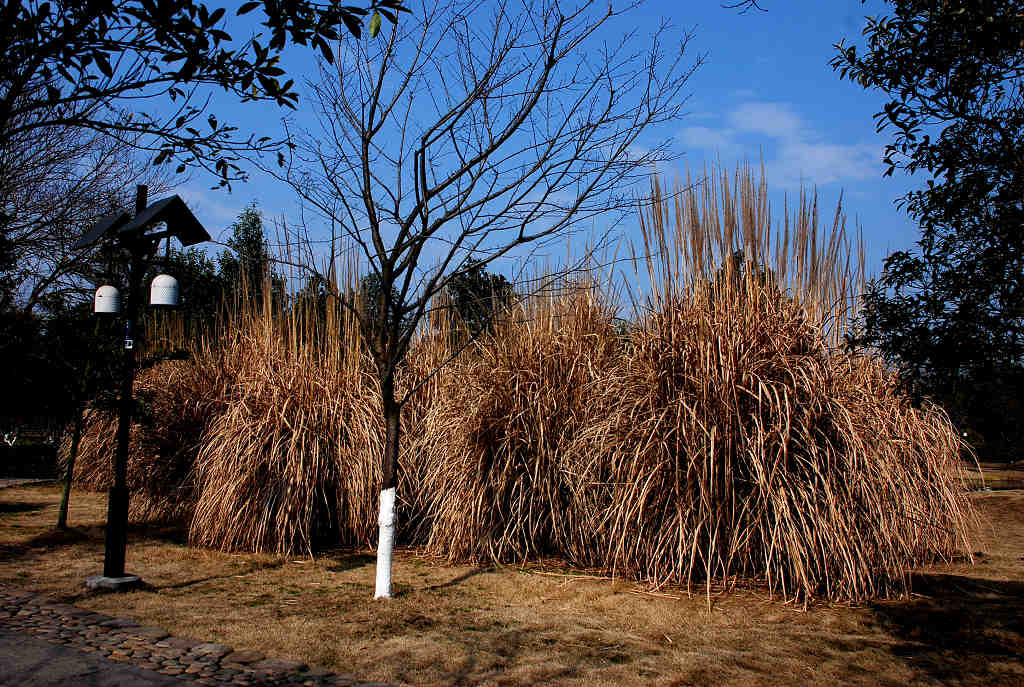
(474, 132)
(75, 362)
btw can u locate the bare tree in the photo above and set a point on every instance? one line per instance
(474, 132)
(744, 6)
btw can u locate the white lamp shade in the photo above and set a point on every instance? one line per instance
(108, 300)
(164, 291)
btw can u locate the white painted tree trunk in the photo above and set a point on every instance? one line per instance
(385, 543)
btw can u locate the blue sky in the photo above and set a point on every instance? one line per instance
(766, 90)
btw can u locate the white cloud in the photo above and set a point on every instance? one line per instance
(215, 209)
(823, 163)
(794, 152)
(722, 142)
(775, 120)
(705, 137)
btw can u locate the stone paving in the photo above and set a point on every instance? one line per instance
(124, 641)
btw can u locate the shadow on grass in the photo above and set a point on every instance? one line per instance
(166, 532)
(53, 538)
(20, 507)
(512, 647)
(457, 580)
(527, 654)
(350, 560)
(253, 568)
(48, 540)
(960, 629)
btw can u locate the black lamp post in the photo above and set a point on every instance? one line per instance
(136, 235)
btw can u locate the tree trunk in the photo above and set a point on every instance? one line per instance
(386, 520)
(76, 436)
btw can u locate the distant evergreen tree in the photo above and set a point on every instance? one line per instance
(370, 299)
(311, 299)
(248, 261)
(477, 296)
(202, 287)
(19, 332)
(738, 267)
(7, 280)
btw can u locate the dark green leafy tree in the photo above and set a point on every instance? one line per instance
(372, 300)
(477, 297)
(310, 301)
(60, 358)
(950, 313)
(87, 64)
(202, 288)
(202, 285)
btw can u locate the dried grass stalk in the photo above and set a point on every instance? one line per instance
(292, 463)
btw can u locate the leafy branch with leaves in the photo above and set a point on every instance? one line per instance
(88, 65)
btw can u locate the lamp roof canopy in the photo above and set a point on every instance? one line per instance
(171, 211)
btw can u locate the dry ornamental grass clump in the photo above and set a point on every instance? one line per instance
(732, 439)
(175, 402)
(499, 422)
(292, 462)
(736, 442)
(724, 437)
(727, 449)
(277, 467)
(292, 465)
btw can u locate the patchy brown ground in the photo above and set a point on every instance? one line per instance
(962, 625)
(997, 475)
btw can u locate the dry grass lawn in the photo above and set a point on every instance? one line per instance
(447, 625)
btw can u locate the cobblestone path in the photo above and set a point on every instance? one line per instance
(124, 641)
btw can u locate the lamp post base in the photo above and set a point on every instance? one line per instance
(102, 583)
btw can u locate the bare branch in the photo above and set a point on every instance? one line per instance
(476, 132)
